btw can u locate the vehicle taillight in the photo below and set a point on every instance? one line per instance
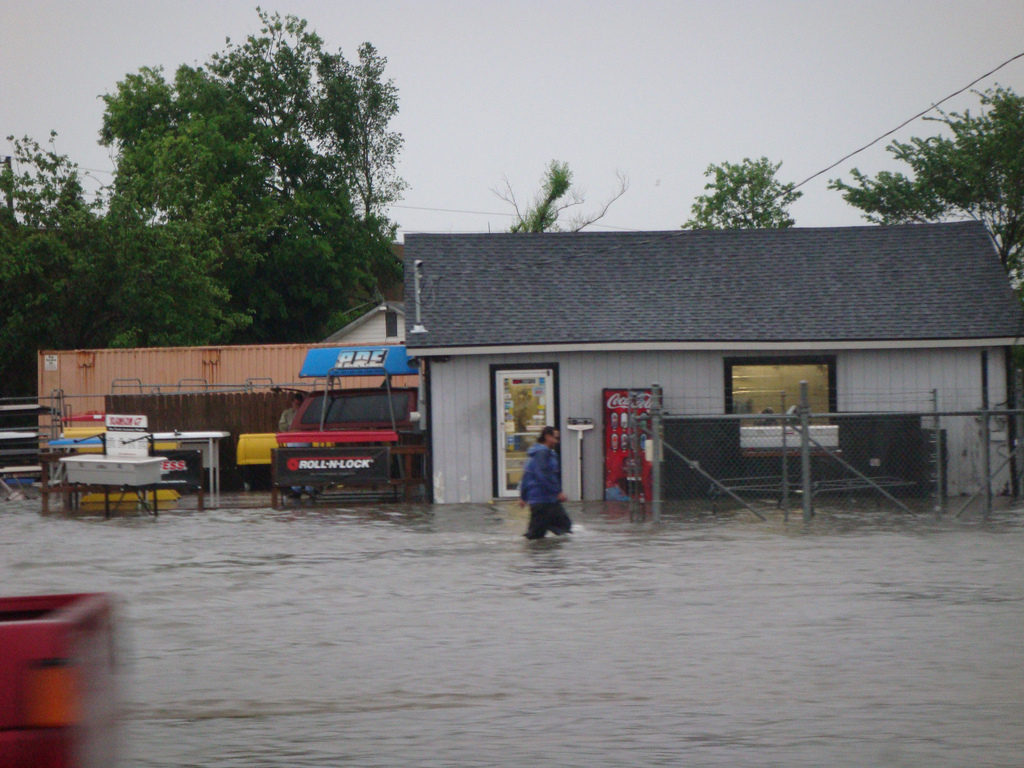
(53, 697)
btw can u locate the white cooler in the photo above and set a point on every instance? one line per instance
(93, 469)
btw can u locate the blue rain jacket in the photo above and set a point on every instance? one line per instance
(542, 476)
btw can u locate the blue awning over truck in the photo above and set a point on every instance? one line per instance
(357, 361)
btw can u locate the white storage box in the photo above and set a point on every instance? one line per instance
(93, 469)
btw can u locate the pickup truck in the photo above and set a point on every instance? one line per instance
(58, 702)
(357, 409)
(347, 409)
(345, 422)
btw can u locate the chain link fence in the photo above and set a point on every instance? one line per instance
(794, 460)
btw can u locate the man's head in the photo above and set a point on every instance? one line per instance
(297, 399)
(549, 436)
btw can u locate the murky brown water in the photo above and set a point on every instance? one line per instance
(417, 636)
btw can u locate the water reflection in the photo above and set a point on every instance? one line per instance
(416, 635)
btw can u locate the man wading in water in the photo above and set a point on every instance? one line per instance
(541, 488)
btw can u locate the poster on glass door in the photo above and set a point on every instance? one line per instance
(621, 464)
(526, 407)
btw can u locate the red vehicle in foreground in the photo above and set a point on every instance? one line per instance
(58, 702)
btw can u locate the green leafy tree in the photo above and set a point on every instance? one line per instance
(556, 195)
(975, 172)
(360, 104)
(74, 274)
(278, 156)
(744, 195)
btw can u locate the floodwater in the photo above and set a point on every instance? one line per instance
(436, 636)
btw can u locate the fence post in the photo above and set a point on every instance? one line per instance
(1018, 431)
(939, 479)
(785, 461)
(656, 437)
(987, 459)
(805, 448)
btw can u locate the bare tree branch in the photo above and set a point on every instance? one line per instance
(579, 222)
(556, 196)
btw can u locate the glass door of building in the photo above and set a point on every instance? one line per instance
(525, 401)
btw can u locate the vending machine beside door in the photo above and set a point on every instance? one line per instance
(621, 464)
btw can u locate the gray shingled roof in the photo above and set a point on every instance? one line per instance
(919, 281)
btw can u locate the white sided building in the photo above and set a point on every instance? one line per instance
(516, 331)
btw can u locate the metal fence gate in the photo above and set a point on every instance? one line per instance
(913, 462)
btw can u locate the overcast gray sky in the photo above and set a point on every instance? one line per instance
(490, 90)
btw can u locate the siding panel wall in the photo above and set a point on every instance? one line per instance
(461, 417)
(903, 380)
(867, 380)
(373, 332)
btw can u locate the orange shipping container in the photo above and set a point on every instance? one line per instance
(85, 376)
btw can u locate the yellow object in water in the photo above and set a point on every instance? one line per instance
(128, 501)
(255, 448)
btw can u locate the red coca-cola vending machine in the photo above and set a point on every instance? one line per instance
(620, 463)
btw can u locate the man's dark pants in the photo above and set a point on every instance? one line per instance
(547, 517)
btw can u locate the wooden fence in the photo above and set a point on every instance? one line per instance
(237, 412)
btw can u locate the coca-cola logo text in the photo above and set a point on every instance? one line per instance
(621, 400)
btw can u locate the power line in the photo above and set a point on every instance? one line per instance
(488, 213)
(451, 210)
(405, 231)
(907, 122)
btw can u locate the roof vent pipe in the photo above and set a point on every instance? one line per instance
(417, 269)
